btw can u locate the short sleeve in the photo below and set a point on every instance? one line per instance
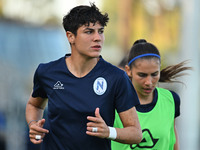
(177, 103)
(38, 90)
(126, 97)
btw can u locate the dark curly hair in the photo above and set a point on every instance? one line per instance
(83, 15)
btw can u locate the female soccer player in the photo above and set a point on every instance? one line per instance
(158, 107)
(83, 91)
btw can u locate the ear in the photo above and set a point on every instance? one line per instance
(128, 71)
(71, 37)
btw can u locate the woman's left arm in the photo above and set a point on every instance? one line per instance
(176, 145)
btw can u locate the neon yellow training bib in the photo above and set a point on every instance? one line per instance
(157, 126)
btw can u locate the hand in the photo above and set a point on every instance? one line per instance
(99, 123)
(37, 129)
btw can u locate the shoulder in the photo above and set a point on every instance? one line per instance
(177, 103)
(118, 75)
(170, 93)
(164, 94)
(176, 97)
(47, 67)
(112, 69)
(162, 91)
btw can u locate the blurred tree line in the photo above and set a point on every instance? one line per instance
(152, 20)
(157, 21)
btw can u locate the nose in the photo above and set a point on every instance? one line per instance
(97, 37)
(148, 81)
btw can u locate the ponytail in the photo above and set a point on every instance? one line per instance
(170, 73)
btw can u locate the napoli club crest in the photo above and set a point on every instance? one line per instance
(100, 86)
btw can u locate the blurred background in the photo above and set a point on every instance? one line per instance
(31, 32)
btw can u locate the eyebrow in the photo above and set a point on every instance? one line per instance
(93, 29)
(147, 73)
(155, 72)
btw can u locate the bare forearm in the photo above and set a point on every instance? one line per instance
(176, 145)
(33, 113)
(129, 135)
(35, 108)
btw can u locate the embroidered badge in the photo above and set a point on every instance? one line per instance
(100, 86)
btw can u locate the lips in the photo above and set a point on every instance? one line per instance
(147, 90)
(96, 46)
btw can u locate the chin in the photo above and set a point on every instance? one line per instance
(146, 93)
(95, 55)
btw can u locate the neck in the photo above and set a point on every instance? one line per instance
(80, 67)
(145, 99)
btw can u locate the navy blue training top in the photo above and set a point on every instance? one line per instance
(149, 107)
(72, 99)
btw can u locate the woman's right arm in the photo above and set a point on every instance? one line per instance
(34, 114)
